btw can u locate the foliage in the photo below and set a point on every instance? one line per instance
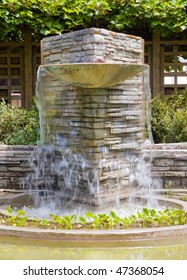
(169, 118)
(64, 221)
(56, 16)
(18, 126)
(16, 220)
(146, 218)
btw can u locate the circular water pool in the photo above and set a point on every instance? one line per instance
(167, 243)
(22, 249)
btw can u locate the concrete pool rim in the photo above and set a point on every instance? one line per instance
(79, 235)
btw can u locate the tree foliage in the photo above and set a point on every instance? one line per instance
(46, 17)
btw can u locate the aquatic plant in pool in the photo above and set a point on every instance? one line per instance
(146, 218)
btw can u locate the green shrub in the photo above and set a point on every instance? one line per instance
(169, 118)
(18, 126)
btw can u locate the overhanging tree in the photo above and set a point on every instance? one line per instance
(48, 17)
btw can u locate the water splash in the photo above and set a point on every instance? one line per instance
(67, 175)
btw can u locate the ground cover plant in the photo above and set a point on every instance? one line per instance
(142, 219)
(18, 126)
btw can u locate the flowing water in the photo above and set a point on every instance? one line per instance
(60, 168)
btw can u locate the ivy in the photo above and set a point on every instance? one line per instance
(47, 17)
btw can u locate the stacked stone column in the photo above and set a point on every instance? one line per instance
(103, 129)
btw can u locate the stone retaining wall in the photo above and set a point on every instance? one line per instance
(169, 162)
(14, 165)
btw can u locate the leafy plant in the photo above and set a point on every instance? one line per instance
(169, 118)
(103, 220)
(114, 220)
(44, 223)
(15, 220)
(18, 126)
(66, 222)
(127, 222)
(145, 218)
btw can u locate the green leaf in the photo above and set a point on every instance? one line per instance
(113, 214)
(145, 211)
(82, 220)
(9, 209)
(20, 212)
(90, 215)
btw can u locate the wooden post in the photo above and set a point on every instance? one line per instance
(28, 77)
(156, 64)
(41, 53)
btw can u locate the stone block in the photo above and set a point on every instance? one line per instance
(164, 162)
(184, 182)
(176, 182)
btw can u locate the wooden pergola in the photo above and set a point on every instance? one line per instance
(19, 63)
(168, 73)
(18, 68)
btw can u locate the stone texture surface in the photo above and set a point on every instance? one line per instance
(15, 164)
(169, 163)
(92, 45)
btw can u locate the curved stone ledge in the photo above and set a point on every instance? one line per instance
(131, 235)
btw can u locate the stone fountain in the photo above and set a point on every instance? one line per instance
(92, 112)
(92, 100)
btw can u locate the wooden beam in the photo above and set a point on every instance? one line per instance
(28, 90)
(156, 64)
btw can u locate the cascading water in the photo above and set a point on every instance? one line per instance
(73, 177)
(141, 182)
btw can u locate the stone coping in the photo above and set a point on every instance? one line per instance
(130, 235)
(167, 146)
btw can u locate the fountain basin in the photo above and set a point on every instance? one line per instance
(135, 243)
(143, 244)
(94, 75)
(87, 235)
